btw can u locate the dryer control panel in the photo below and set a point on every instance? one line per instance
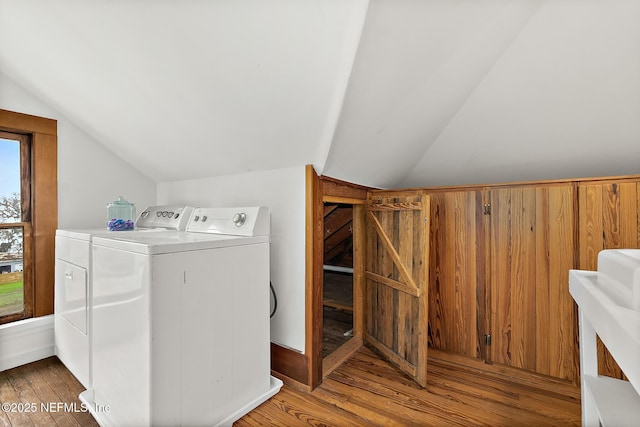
(243, 221)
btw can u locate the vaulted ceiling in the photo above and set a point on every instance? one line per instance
(388, 93)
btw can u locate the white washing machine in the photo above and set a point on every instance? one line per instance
(73, 290)
(181, 323)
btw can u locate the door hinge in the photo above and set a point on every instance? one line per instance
(487, 208)
(487, 339)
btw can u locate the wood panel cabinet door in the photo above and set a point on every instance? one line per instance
(396, 295)
(608, 219)
(458, 272)
(533, 317)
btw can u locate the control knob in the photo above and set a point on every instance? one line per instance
(239, 219)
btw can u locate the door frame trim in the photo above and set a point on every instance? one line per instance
(318, 190)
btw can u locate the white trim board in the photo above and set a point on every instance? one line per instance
(26, 341)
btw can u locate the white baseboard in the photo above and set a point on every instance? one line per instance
(26, 341)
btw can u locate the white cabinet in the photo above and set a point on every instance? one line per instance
(609, 306)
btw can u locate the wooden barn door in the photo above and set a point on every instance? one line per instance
(397, 279)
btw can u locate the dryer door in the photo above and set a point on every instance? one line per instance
(71, 294)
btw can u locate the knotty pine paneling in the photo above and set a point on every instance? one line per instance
(532, 249)
(456, 283)
(608, 219)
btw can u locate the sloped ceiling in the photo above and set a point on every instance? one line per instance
(388, 93)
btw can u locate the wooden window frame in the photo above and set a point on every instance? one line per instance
(43, 209)
(25, 224)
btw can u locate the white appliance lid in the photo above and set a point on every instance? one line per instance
(89, 233)
(162, 243)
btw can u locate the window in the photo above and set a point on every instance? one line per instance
(28, 215)
(16, 282)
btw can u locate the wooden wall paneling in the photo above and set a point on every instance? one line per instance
(557, 335)
(501, 266)
(483, 275)
(590, 225)
(532, 250)
(608, 219)
(542, 286)
(533, 246)
(523, 277)
(514, 245)
(454, 309)
(436, 267)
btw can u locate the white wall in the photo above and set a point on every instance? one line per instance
(89, 175)
(562, 101)
(283, 192)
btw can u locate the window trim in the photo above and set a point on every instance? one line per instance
(24, 223)
(44, 201)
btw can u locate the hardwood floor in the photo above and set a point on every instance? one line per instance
(365, 390)
(337, 310)
(336, 323)
(36, 393)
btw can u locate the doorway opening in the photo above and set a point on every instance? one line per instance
(337, 303)
(343, 280)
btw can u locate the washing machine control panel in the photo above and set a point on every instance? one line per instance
(167, 217)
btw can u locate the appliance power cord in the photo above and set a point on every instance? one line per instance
(275, 301)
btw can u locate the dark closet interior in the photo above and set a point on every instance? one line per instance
(338, 276)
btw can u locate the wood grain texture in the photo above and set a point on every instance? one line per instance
(290, 363)
(19, 122)
(367, 390)
(45, 218)
(336, 189)
(314, 256)
(456, 263)
(364, 391)
(359, 253)
(397, 263)
(533, 246)
(45, 382)
(608, 219)
(44, 203)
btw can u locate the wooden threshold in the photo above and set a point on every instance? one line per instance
(340, 355)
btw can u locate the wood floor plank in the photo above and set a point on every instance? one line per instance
(9, 396)
(67, 389)
(442, 408)
(28, 397)
(364, 391)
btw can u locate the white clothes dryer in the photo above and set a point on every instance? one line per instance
(73, 290)
(181, 322)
